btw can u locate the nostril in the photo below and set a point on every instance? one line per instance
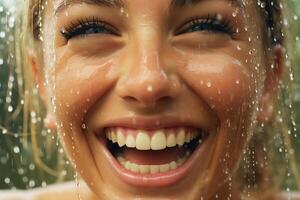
(130, 99)
(148, 101)
(164, 99)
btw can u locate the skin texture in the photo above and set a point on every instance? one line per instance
(204, 78)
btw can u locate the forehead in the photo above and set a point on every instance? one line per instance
(62, 4)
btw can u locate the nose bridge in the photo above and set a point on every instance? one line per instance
(145, 79)
(148, 47)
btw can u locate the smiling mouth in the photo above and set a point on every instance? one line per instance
(152, 151)
(147, 157)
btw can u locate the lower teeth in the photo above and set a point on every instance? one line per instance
(152, 169)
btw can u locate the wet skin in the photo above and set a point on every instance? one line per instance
(205, 78)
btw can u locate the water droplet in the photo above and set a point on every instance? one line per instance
(295, 17)
(4, 131)
(16, 149)
(234, 14)
(208, 84)
(149, 88)
(31, 183)
(219, 16)
(2, 34)
(10, 108)
(7, 180)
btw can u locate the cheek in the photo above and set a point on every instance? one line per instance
(79, 83)
(221, 81)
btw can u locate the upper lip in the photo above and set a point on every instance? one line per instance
(151, 123)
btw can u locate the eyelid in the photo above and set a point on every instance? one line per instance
(66, 31)
(222, 21)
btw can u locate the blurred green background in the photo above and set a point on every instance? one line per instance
(17, 166)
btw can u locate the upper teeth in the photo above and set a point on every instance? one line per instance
(144, 140)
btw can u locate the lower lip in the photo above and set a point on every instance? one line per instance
(152, 180)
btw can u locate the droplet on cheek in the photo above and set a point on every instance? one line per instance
(208, 84)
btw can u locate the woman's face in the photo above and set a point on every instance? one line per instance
(154, 99)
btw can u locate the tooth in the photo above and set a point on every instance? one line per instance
(188, 137)
(187, 154)
(134, 167)
(179, 161)
(191, 136)
(194, 135)
(158, 141)
(180, 137)
(154, 169)
(113, 137)
(164, 168)
(108, 135)
(120, 159)
(130, 142)
(171, 140)
(121, 138)
(142, 141)
(144, 169)
(173, 165)
(128, 165)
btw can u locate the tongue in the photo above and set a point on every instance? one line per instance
(152, 157)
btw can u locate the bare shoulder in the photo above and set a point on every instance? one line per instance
(66, 191)
(295, 195)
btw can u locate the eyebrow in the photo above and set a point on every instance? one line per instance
(106, 3)
(183, 3)
(119, 3)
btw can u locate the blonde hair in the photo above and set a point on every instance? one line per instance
(35, 138)
(260, 171)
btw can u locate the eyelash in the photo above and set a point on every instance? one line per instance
(84, 27)
(211, 23)
(94, 25)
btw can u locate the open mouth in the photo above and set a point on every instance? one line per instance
(151, 152)
(142, 157)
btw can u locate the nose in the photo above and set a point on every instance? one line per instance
(145, 81)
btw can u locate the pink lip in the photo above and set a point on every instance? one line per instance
(146, 123)
(150, 180)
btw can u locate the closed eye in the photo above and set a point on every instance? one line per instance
(213, 24)
(88, 26)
